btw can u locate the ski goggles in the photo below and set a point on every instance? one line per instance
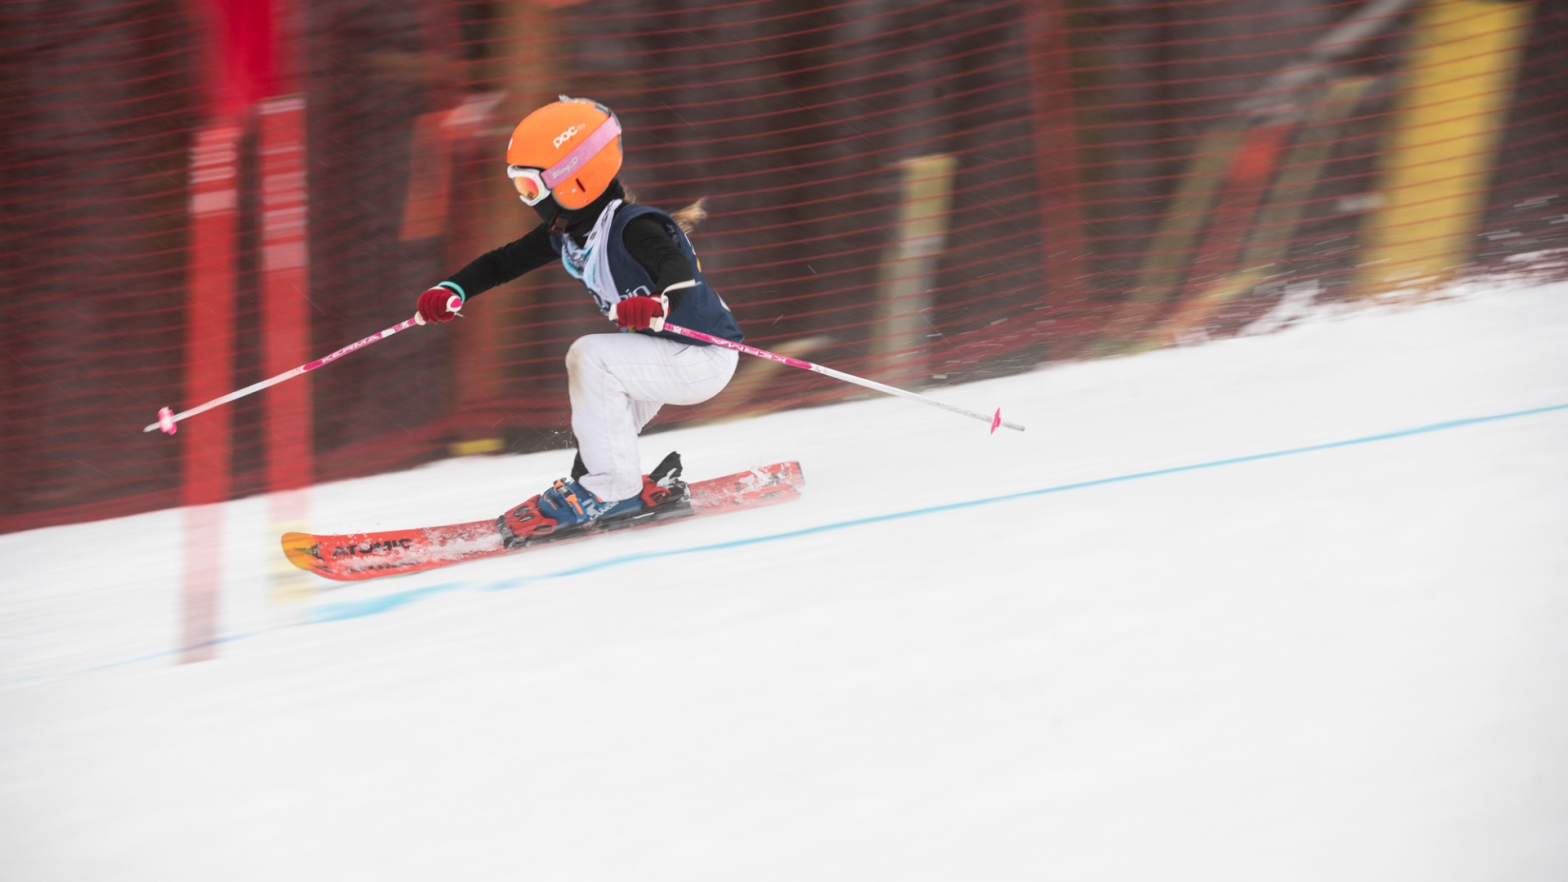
(534, 184)
(529, 183)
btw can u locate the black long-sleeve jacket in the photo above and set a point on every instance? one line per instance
(645, 238)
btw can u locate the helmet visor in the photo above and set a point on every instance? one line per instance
(529, 183)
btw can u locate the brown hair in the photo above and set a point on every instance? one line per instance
(689, 217)
(686, 218)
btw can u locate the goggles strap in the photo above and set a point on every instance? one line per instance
(607, 131)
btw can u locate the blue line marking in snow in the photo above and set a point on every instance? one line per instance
(151, 656)
(356, 608)
(369, 607)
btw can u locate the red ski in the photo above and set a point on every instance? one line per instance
(356, 556)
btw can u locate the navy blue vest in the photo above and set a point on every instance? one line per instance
(701, 308)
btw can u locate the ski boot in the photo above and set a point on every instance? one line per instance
(568, 508)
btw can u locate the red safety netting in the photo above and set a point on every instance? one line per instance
(198, 195)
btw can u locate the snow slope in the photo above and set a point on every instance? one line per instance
(1280, 607)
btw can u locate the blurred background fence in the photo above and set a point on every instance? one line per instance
(198, 195)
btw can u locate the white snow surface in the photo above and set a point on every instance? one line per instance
(1346, 663)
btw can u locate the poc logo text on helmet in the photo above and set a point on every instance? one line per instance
(567, 135)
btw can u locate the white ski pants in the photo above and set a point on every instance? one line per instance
(618, 382)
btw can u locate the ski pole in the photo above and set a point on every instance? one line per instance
(995, 419)
(167, 417)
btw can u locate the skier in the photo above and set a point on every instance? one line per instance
(639, 266)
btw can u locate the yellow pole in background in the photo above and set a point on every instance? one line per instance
(909, 268)
(1442, 148)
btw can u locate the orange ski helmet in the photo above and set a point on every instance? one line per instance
(570, 149)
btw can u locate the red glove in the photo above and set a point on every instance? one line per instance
(641, 313)
(439, 304)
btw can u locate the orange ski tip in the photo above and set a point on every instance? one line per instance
(302, 551)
